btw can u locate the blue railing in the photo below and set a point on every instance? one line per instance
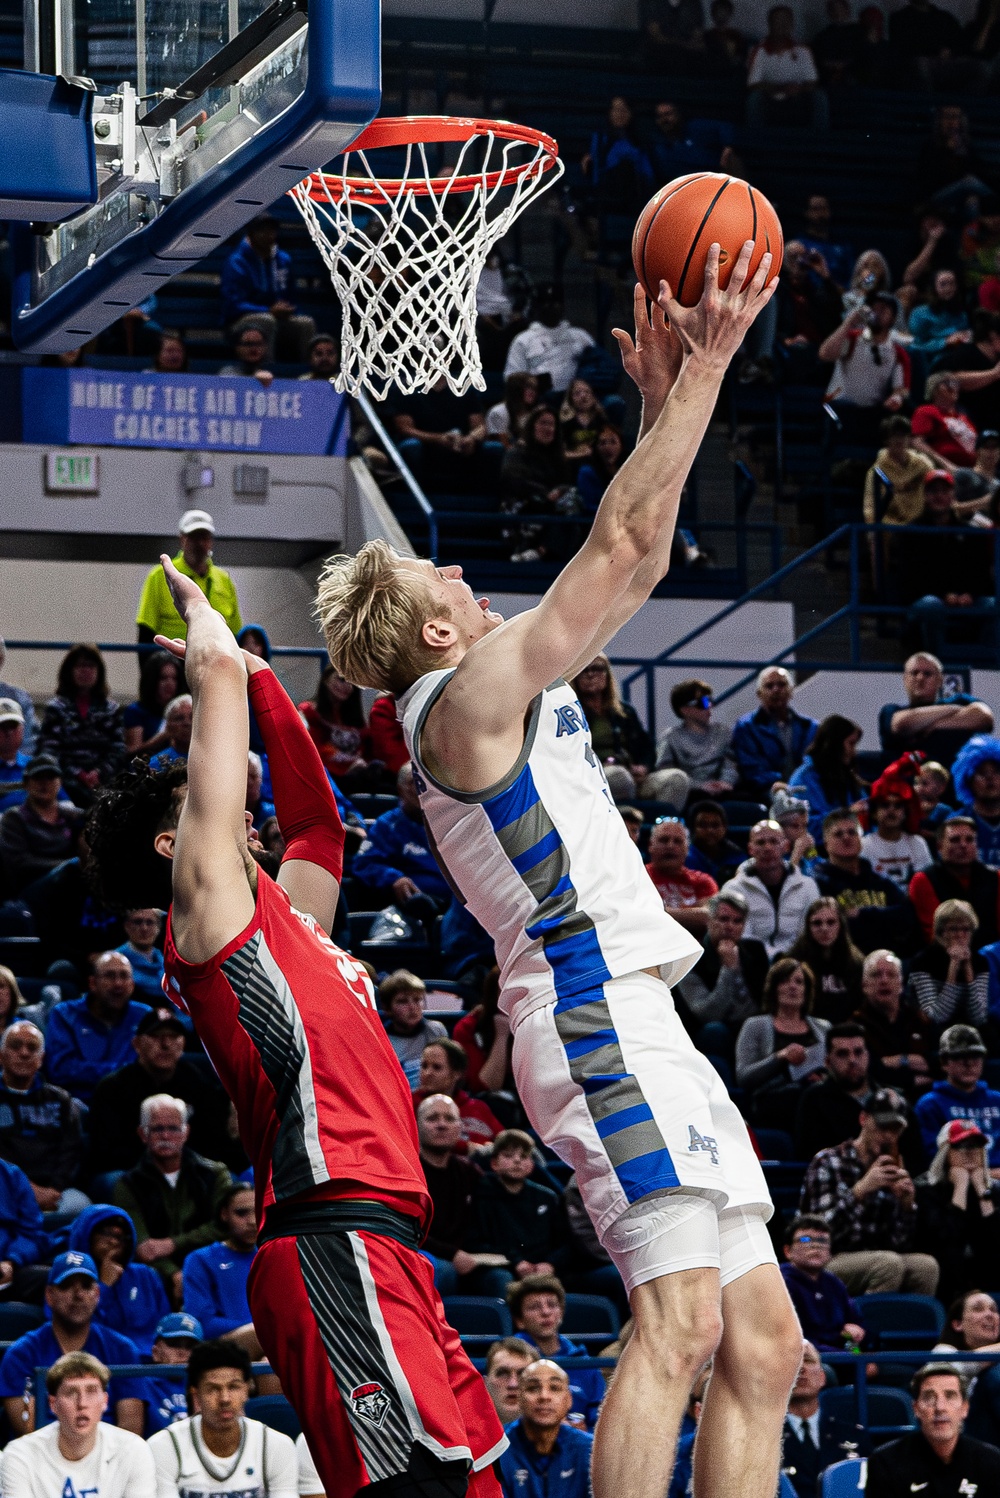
(852, 612)
(855, 1362)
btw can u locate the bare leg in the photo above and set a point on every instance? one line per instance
(677, 1328)
(738, 1445)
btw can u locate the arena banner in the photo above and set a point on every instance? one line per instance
(210, 413)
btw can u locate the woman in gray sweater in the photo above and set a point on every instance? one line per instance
(779, 1052)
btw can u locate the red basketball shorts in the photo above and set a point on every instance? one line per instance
(355, 1330)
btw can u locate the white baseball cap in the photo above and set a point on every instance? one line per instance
(10, 711)
(196, 520)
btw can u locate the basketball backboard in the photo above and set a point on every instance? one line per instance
(196, 114)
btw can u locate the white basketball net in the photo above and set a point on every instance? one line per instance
(405, 269)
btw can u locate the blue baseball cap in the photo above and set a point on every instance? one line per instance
(74, 1262)
(178, 1326)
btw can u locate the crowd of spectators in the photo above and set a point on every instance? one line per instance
(848, 993)
(848, 989)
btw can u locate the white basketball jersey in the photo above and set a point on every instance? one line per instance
(543, 861)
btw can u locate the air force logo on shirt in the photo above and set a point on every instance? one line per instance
(704, 1142)
(570, 719)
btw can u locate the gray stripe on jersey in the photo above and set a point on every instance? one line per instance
(582, 1021)
(269, 1015)
(515, 839)
(546, 874)
(622, 1091)
(529, 829)
(333, 1281)
(615, 1098)
(642, 1138)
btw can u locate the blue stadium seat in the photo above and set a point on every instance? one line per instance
(775, 1144)
(590, 1318)
(844, 1479)
(478, 1318)
(275, 1411)
(17, 1318)
(16, 919)
(890, 1411)
(22, 954)
(902, 1321)
(744, 813)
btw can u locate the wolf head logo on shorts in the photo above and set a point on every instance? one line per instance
(371, 1402)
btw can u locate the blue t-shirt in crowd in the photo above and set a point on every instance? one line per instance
(12, 792)
(987, 837)
(167, 756)
(39, 1349)
(137, 716)
(940, 744)
(215, 1288)
(166, 1402)
(147, 970)
(944, 1102)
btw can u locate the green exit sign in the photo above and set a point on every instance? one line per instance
(72, 473)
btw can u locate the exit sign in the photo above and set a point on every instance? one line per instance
(72, 473)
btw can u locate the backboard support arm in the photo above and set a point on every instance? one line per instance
(49, 39)
(183, 192)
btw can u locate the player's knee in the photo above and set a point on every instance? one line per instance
(679, 1320)
(763, 1360)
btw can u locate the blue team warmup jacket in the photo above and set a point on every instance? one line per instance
(564, 1473)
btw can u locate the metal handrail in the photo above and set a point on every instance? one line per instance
(853, 611)
(405, 473)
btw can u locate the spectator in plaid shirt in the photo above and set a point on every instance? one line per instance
(866, 1196)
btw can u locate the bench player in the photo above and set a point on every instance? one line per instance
(519, 811)
(342, 1301)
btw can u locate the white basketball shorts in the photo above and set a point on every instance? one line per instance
(612, 1082)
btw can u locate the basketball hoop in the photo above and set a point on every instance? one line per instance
(405, 252)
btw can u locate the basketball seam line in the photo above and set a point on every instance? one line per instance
(701, 229)
(644, 277)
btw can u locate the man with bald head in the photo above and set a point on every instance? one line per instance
(451, 1182)
(770, 742)
(39, 1123)
(545, 1458)
(90, 1037)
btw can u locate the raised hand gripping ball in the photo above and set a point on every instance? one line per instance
(678, 224)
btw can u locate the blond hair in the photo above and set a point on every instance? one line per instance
(372, 612)
(955, 910)
(76, 1365)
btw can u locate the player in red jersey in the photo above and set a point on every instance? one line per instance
(343, 1302)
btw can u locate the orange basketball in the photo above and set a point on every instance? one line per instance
(677, 226)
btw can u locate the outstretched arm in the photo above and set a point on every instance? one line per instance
(624, 555)
(213, 899)
(304, 802)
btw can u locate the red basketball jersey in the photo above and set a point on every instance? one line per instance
(290, 1023)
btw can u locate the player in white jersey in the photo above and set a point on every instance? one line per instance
(218, 1451)
(310, 1482)
(521, 818)
(78, 1455)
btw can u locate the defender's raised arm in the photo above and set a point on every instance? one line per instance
(213, 898)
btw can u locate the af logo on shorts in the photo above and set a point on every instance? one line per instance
(704, 1142)
(371, 1402)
